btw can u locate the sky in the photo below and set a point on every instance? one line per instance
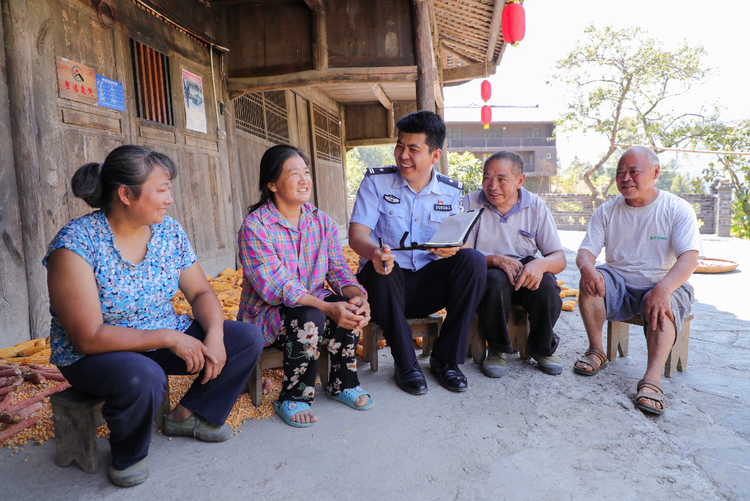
(553, 28)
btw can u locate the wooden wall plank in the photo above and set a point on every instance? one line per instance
(14, 301)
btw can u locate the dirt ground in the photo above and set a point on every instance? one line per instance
(525, 436)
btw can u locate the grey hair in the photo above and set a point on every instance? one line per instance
(651, 156)
(514, 158)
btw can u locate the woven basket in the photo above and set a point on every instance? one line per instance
(716, 266)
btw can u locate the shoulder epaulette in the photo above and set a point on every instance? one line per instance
(450, 182)
(381, 170)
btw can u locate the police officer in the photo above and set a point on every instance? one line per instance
(412, 197)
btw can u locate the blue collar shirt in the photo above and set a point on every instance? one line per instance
(390, 207)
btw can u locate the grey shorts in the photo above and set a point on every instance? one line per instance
(624, 301)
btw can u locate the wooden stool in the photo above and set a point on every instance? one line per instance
(76, 417)
(271, 358)
(518, 328)
(428, 328)
(617, 340)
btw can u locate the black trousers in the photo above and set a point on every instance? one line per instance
(133, 386)
(455, 283)
(543, 306)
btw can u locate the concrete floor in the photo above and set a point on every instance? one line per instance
(526, 436)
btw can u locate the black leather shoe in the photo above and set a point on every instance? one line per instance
(411, 380)
(450, 376)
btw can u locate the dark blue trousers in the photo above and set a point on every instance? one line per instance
(455, 283)
(133, 386)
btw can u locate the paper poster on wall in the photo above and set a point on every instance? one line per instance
(195, 109)
(76, 81)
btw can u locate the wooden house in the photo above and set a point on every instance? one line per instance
(533, 141)
(211, 83)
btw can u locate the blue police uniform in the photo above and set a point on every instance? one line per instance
(390, 207)
(420, 283)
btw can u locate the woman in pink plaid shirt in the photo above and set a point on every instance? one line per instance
(289, 249)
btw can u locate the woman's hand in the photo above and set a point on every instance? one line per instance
(344, 314)
(217, 356)
(363, 309)
(192, 351)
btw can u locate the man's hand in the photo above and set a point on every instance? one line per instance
(592, 282)
(530, 275)
(658, 308)
(384, 257)
(445, 251)
(511, 267)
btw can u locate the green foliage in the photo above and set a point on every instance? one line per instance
(467, 168)
(736, 168)
(621, 81)
(570, 179)
(358, 160)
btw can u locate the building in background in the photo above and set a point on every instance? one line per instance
(534, 141)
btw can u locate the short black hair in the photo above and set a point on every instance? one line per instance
(514, 158)
(427, 123)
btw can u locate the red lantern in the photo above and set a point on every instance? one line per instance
(486, 90)
(486, 116)
(513, 22)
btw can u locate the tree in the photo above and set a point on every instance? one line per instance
(623, 81)
(358, 160)
(569, 180)
(732, 138)
(467, 168)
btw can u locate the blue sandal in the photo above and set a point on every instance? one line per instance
(350, 396)
(289, 408)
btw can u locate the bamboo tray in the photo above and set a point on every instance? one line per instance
(710, 265)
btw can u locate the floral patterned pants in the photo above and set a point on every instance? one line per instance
(303, 326)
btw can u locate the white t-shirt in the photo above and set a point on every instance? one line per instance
(643, 243)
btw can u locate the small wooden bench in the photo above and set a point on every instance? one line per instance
(428, 328)
(518, 328)
(272, 358)
(617, 340)
(76, 417)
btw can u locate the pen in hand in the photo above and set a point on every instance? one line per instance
(382, 248)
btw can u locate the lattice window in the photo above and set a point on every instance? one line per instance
(152, 84)
(263, 114)
(327, 135)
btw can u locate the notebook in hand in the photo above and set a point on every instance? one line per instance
(453, 232)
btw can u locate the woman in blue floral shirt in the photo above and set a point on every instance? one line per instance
(115, 335)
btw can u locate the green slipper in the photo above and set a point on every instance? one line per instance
(197, 427)
(549, 364)
(134, 474)
(494, 364)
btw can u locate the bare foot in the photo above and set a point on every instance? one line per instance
(648, 401)
(362, 400)
(267, 386)
(307, 416)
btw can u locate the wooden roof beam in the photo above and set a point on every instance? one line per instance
(495, 29)
(382, 96)
(468, 72)
(243, 85)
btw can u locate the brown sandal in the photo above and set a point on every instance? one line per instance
(596, 359)
(659, 397)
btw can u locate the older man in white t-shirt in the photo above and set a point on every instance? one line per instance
(652, 245)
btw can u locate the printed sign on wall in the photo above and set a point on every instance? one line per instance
(76, 81)
(111, 93)
(195, 109)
